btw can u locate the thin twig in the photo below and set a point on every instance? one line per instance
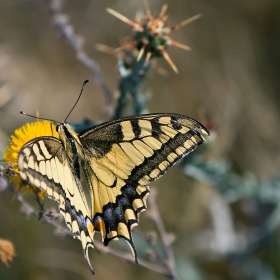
(170, 263)
(128, 257)
(152, 245)
(61, 22)
(28, 210)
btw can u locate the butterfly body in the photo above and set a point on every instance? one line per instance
(118, 159)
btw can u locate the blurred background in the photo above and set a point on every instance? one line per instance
(229, 81)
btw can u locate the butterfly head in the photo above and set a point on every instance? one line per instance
(67, 135)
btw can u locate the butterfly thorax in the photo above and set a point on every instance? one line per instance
(71, 144)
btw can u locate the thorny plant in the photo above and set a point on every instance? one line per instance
(135, 58)
(151, 39)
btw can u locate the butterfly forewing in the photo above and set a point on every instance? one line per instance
(42, 162)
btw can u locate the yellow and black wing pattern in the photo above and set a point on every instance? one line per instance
(43, 162)
(118, 160)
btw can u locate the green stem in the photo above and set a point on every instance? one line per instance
(132, 78)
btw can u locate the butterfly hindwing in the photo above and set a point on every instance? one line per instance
(42, 162)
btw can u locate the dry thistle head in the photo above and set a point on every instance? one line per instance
(151, 35)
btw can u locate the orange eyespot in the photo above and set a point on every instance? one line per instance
(90, 227)
(99, 224)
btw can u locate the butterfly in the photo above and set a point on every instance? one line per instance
(118, 160)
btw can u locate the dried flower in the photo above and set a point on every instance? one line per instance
(7, 251)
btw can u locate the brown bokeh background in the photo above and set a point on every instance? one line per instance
(231, 76)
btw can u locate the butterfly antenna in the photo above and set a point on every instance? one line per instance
(44, 119)
(86, 81)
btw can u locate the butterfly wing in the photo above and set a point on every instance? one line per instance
(124, 156)
(42, 162)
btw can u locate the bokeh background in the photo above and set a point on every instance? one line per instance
(230, 80)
